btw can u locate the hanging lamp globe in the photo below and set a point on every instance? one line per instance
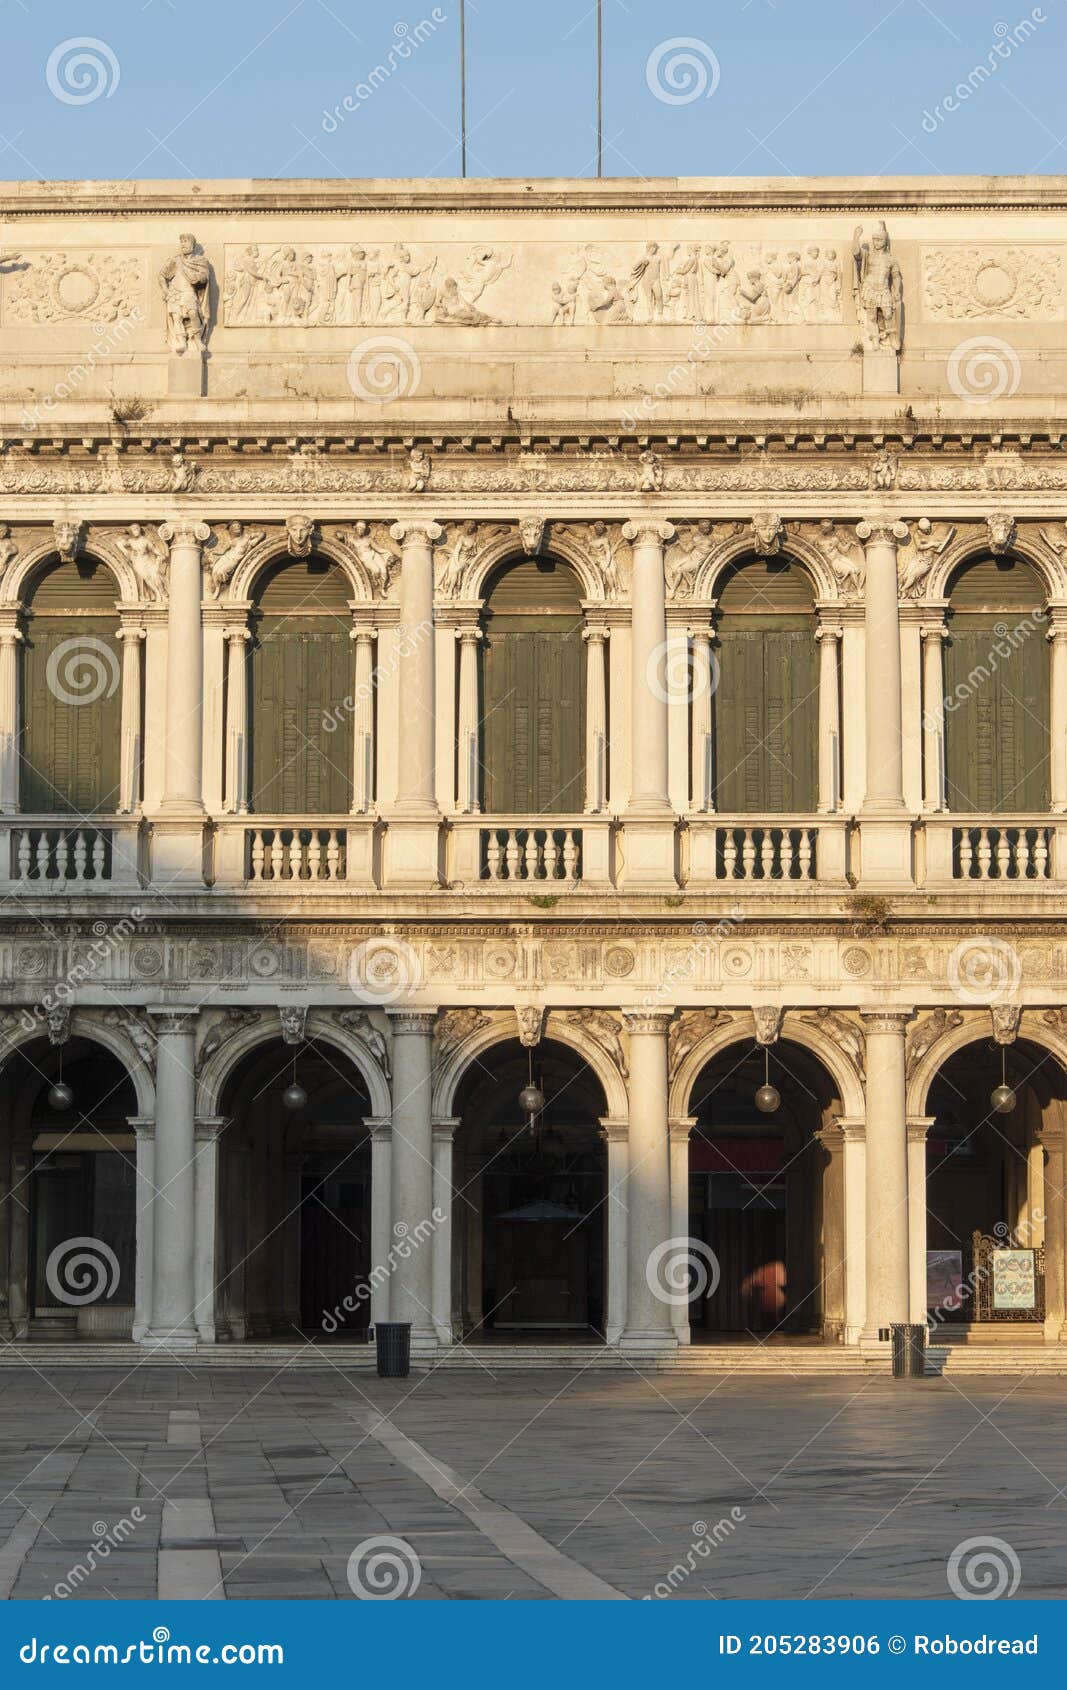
(294, 1096)
(531, 1099)
(767, 1099)
(1002, 1099)
(60, 1096)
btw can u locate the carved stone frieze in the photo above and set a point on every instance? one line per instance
(76, 285)
(330, 286)
(980, 284)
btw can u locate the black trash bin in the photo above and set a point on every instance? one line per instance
(393, 1338)
(909, 1351)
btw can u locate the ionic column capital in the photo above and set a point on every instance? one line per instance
(238, 636)
(647, 531)
(408, 532)
(881, 531)
(184, 531)
(170, 1019)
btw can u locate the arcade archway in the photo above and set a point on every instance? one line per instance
(530, 1235)
(766, 1196)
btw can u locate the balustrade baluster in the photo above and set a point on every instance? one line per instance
(314, 855)
(258, 853)
(1004, 853)
(805, 853)
(493, 855)
(1039, 858)
(985, 852)
(25, 854)
(748, 852)
(531, 856)
(63, 857)
(333, 853)
(512, 853)
(966, 852)
(570, 855)
(99, 848)
(767, 854)
(729, 854)
(277, 854)
(42, 855)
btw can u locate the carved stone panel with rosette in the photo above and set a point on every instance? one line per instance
(976, 284)
(61, 287)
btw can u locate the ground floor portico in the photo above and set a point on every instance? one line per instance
(649, 1183)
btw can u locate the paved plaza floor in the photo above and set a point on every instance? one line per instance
(229, 1484)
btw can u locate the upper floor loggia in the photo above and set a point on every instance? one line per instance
(535, 708)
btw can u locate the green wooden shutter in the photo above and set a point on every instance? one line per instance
(765, 711)
(302, 670)
(997, 716)
(71, 690)
(533, 711)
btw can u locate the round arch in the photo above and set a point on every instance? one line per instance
(796, 1030)
(971, 548)
(977, 1031)
(20, 583)
(561, 548)
(739, 550)
(84, 1025)
(320, 1027)
(452, 1070)
(243, 585)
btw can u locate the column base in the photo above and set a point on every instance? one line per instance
(886, 852)
(186, 1339)
(648, 1344)
(412, 853)
(177, 851)
(648, 853)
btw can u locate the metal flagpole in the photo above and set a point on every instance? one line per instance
(600, 87)
(463, 85)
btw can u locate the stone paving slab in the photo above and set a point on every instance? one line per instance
(686, 1487)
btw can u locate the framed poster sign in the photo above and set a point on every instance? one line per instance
(944, 1279)
(1014, 1279)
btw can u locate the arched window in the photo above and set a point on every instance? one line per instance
(533, 705)
(766, 705)
(997, 689)
(71, 692)
(301, 671)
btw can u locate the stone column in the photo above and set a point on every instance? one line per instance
(174, 1282)
(1057, 638)
(829, 638)
(933, 636)
(9, 718)
(468, 748)
(411, 1285)
(381, 1153)
(918, 1127)
(854, 1153)
(885, 772)
(832, 1140)
(364, 635)
(648, 667)
(237, 641)
(595, 636)
(888, 1265)
(206, 1199)
(183, 753)
(444, 1133)
(131, 635)
(415, 773)
(616, 1136)
(1051, 1136)
(144, 1209)
(702, 773)
(680, 1130)
(649, 1318)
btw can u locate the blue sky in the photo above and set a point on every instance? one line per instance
(218, 88)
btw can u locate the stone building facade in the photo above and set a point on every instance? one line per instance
(602, 637)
